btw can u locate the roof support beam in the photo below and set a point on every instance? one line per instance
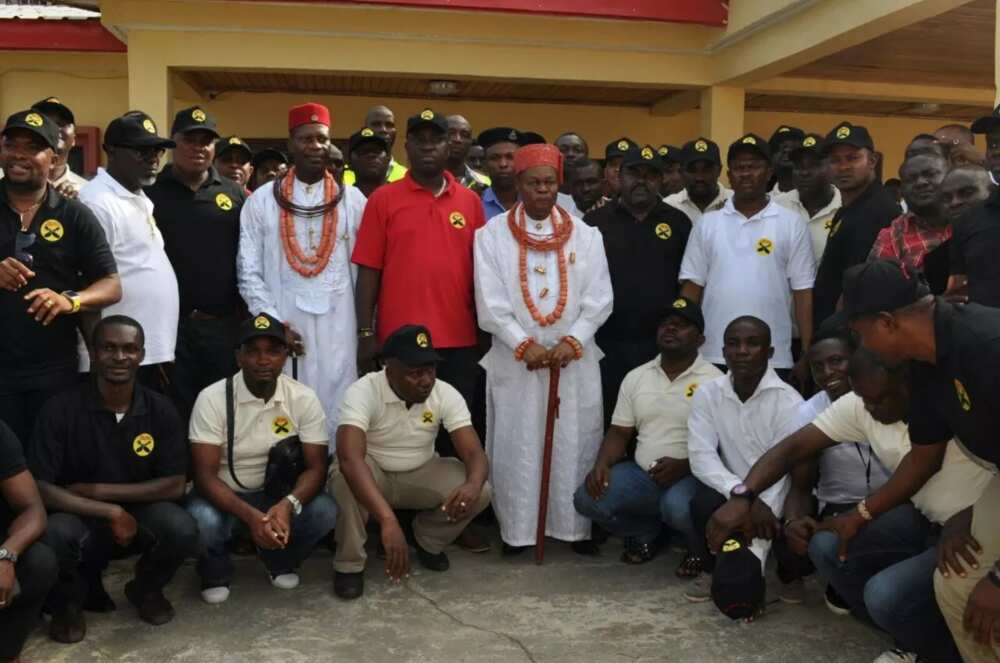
(676, 103)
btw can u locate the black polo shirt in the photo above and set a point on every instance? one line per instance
(70, 252)
(960, 394)
(853, 231)
(11, 463)
(201, 235)
(644, 258)
(975, 251)
(78, 440)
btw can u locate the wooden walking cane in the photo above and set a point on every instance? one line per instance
(551, 414)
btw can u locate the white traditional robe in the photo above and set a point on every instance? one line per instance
(320, 308)
(516, 398)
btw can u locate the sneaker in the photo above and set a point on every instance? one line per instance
(834, 603)
(214, 595)
(793, 592)
(699, 590)
(896, 655)
(285, 580)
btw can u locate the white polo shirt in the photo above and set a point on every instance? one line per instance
(657, 407)
(749, 267)
(683, 202)
(401, 439)
(149, 286)
(293, 410)
(819, 224)
(956, 486)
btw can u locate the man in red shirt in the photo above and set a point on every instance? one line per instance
(414, 257)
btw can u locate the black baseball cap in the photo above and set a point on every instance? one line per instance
(670, 154)
(532, 138)
(411, 344)
(135, 129)
(810, 143)
(37, 123)
(688, 309)
(618, 148)
(494, 135)
(880, 285)
(642, 156)
(427, 118)
(846, 133)
(749, 143)
(985, 124)
(192, 119)
(262, 325)
(268, 154)
(227, 143)
(738, 588)
(701, 149)
(365, 136)
(783, 133)
(55, 109)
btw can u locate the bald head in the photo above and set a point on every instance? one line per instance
(963, 188)
(382, 121)
(459, 142)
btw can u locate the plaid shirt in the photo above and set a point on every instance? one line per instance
(908, 240)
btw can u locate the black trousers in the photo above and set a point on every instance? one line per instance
(206, 353)
(620, 357)
(166, 536)
(36, 573)
(461, 370)
(20, 409)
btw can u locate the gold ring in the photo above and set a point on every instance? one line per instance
(47, 302)
(462, 503)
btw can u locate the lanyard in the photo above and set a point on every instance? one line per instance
(867, 464)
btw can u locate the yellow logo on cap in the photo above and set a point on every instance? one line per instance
(235, 141)
(260, 322)
(647, 153)
(843, 132)
(680, 303)
(34, 119)
(691, 388)
(457, 220)
(52, 230)
(148, 125)
(765, 246)
(427, 115)
(782, 130)
(663, 151)
(53, 100)
(198, 115)
(750, 140)
(143, 444)
(809, 141)
(663, 230)
(422, 340)
(963, 396)
(701, 146)
(367, 133)
(731, 545)
(623, 145)
(224, 202)
(281, 426)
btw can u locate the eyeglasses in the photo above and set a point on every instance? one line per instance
(22, 242)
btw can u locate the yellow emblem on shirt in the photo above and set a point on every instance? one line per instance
(198, 115)
(680, 303)
(422, 340)
(143, 445)
(428, 417)
(34, 119)
(457, 220)
(224, 202)
(148, 125)
(691, 388)
(765, 246)
(843, 132)
(963, 396)
(731, 545)
(663, 230)
(260, 322)
(281, 426)
(52, 230)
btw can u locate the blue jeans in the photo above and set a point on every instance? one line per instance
(887, 579)
(636, 506)
(216, 527)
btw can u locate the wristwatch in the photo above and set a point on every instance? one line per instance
(740, 490)
(8, 556)
(74, 299)
(296, 504)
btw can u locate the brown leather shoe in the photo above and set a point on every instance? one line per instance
(68, 625)
(154, 608)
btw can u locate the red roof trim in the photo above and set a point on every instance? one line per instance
(59, 35)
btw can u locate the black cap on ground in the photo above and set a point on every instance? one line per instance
(193, 119)
(262, 325)
(738, 581)
(411, 344)
(37, 123)
(135, 129)
(688, 309)
(880, 285)
(701, 149)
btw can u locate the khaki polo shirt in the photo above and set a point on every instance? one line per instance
(658, 408)
(819, 224)
(293, 410)
(401, 439)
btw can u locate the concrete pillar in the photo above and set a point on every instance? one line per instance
(149, 83)
(722, 114)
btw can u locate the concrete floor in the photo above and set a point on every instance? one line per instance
(486, 608)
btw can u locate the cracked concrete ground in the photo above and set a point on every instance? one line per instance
(486, 608)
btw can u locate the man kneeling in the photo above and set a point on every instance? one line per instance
(230, 468)
(386, 460)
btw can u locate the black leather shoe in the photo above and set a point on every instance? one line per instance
(348, 585)
(68, 625)
(432, 562)
(586, 548)
(154, 608)
(508, 550)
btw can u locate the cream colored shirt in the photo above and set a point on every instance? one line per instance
(956, 486)
(401, 439)
(819, 224)
(293, 410)
(658, 408)
(683, 202)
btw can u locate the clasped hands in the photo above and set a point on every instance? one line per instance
(536, 356)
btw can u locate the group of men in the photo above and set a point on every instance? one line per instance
(253, 350)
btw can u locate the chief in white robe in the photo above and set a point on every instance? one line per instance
(320, 308)
(516, 398)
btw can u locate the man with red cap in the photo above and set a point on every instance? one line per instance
(294, 263)
(542, 291)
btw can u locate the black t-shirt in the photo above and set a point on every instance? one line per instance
(960, 394)
(975, 251)
(70, 252)
(644, 258)
(201, 236)
(852, 234)
(11, 463)
(78, 440)
(936, 268)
